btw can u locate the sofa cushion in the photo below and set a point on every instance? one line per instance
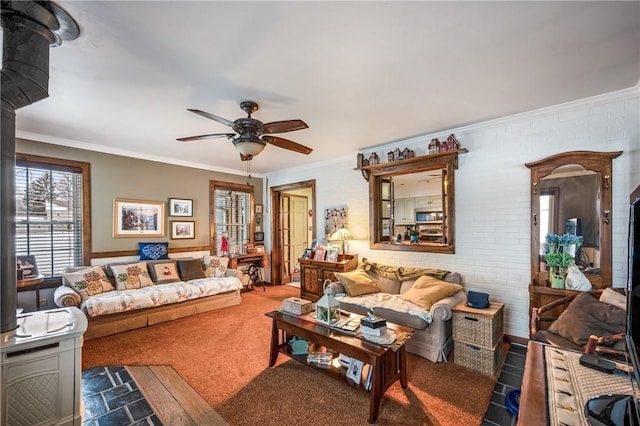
(586, 316)
(153, 251)
(190, 269)
(614, 298)
(386, 285)
(357, 282)
(164, 271)
(131, 275)
(215, 266)
(88, 282)
(428, 290)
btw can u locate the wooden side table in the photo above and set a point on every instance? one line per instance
(477, 337)
(33, 281)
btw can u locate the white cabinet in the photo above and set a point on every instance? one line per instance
(429, 203)
(404, 211)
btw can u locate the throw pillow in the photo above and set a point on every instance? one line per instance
(614, 298)
(215, 266)
(88, 282)
(163, 272)
(190, 269)
(426, 291)
(586, 316)
(154, 251)
(131, 275)
(357, 282)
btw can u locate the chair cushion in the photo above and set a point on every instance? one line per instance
(586, 316)
(614, 298)
(357, 282)
(428, 290)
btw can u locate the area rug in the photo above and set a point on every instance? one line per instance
(224, 355)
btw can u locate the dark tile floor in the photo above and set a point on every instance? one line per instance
(510, 379)
(112, 398)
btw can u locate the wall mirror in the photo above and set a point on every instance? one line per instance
(412, 204)
(571, 193)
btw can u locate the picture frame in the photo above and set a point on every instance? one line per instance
(307, 253)
(258, 208)
(319, 252)
(27, 266)
(183, 229)
(354, 371)
(258, 236)
(332, 254)
(180, 207)
(135, 218)
(260, 249)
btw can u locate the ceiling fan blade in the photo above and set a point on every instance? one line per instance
(287, 144)
(212, 117)
(211, 136)
(284, 126)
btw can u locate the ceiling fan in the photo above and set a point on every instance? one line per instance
(253, 135)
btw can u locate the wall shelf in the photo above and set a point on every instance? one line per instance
(366, 170)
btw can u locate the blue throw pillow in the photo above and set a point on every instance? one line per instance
(154, 251)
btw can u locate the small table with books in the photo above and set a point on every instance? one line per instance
(385, 364)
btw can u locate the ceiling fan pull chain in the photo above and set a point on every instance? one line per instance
(248, 171)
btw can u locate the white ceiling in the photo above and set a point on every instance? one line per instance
(359, 74)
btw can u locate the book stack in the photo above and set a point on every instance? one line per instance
(373, 326)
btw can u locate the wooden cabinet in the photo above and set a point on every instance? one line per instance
(404, 211)
(313, 274)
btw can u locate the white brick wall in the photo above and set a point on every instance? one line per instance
(492, 192)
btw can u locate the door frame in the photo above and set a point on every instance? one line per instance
(276, 243)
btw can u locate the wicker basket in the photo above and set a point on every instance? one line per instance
(478, 329)
(486, 361)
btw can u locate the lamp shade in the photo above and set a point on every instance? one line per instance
(341, 234)
(249, 144)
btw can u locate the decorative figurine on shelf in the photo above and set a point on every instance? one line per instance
(434, 146)
(396, 155)
(452, 143)
(225, 243)
(412, 153)
(405, 153)
(390, 157)
(359, 160)
(373, 159)
(443, 146)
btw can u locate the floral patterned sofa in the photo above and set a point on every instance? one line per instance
(420, 298)
(124, 296)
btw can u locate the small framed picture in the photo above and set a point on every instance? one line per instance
(332, 254)
(319, 252)
(180, 207)
(307, 253)
(258, 208)
(183, 229)
(27, 266)
(259, 249)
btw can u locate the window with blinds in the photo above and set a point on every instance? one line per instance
(49, 215)
(232, 216)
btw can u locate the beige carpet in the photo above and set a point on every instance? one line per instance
(223, 355)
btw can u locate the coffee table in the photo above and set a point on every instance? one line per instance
(389, 365)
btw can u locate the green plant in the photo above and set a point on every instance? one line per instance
(558, 255)
(414, 232)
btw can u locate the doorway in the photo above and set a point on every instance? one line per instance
(293, 227)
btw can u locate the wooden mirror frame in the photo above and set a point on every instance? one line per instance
(448, 162)
(601, 164)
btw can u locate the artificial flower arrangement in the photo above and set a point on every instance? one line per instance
(560, 253)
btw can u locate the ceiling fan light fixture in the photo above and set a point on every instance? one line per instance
(249, 144)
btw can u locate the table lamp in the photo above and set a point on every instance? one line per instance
(343, 235)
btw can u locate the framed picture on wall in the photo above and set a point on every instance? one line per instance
(183, 229)
(134, 218)
(180, 207)
(258, 208)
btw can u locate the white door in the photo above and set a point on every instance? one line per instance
(299, 228)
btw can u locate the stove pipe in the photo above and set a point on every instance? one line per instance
(28, 29)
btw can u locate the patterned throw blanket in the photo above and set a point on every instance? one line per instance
(387, 301)
(400, 273)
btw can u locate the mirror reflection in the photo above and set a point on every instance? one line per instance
(569, 203)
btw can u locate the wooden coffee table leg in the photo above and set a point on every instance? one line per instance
(376, 394)
(402, 354)
(273, 354)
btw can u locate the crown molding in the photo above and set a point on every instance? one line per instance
(36, 137)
